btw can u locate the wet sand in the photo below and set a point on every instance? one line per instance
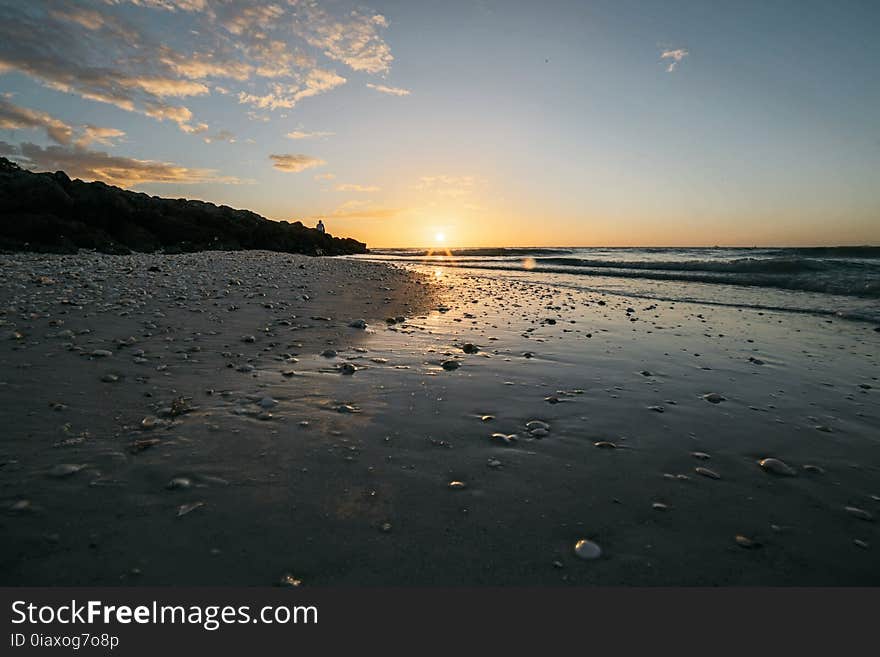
(189, 426)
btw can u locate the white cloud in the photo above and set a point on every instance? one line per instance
(676, 55)
(393, 91)
(296, 162)
(349, 187)
(305, 134)
(79, 162)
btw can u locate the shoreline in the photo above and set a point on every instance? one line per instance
(360, 494)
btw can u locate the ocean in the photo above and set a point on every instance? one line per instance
(834, 281)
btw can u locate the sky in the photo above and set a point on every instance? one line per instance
(466, 123)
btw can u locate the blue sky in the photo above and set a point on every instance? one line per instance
(489, 122)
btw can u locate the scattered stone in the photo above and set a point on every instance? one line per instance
(706, 472)
(457, 485)
(714, 398)
(358, 324)
(861, 514)
(587, 550)
(450, 365)
(746, 542)
(469, 348)
(183, 509)
(777, 467)
(347, 368)
(65, 470)
(289, 580)
(179, 483)
(605, 444)
(504, 439)
(101, 353)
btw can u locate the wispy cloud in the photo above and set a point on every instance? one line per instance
(267, 55)
(15, 117)
(349, 187)
(93, 134)
(444, 185)
(87, 164)
(393, 91)
(676, 56)
(295, 163)
(325, 176)
(305, 134)
(222, 135)
(363, 210)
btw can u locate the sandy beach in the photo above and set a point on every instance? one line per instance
(255, 418)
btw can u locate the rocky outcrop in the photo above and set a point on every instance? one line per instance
(50, 212)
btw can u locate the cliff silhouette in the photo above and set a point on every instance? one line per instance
(49, 212)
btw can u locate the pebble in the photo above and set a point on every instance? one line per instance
(714, 398)
(531, 425)
(587, 550)
(101, 353)
(450, 365)
(358, 324)
(347, 368)
(746, 542)
(493, 463)
(539, 433)
(605, 444)
(65, 470)
(504, 439)
(110, 378)
(289, 580)
(457, 485)
(183, 509)
(329, 353)
(267, 402)
(179, 483)
(469, 348)
(861, 514)
(701, 455)
(706, 472)
(777, 467)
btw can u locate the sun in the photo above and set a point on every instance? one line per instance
(439, 238)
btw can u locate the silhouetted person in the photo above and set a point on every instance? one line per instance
(320, 226)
